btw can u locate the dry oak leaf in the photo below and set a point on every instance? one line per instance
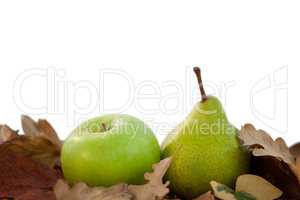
(206, 196)
(39, 142)
(262, 144)
(81, 191)
(155, 189)
(6, 133)
(278, 148)
(258, 187)
(40, 128)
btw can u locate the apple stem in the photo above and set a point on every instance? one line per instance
(103, 126)
(202, 91)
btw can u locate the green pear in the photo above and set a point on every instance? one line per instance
(204, 147)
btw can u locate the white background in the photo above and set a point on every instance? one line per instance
(156, 43)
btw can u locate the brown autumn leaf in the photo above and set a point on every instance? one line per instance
(39, 142)
(257, 186)
(295, 167)
(295, 149)
(81, 191)
(278, 148)
(37, 148)
(248, 187)
(262, 144)
(6, 133)
(40, 128)
(155, 189)
(206, 196)
(22, 178)
(278, 173)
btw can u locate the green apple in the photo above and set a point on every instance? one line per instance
(109, 149)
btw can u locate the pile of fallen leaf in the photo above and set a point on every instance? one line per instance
(30, 170)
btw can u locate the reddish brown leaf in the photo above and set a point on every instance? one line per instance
(40, 141)
(22, 177)
(38, 148)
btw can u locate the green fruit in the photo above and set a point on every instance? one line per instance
(110, 149)
(204, 147)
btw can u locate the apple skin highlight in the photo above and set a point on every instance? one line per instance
(110, 149)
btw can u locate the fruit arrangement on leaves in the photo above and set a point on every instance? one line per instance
(117, 157)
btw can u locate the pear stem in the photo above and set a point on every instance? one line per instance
(202, 91)
(104, 126)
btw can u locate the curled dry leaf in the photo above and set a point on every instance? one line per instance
(226, 193)
(260, 188)
(206, 196)
(6, 133)
(278, 173)
(40, 142)
(155, 189)
(262, 144)
(81, 191)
